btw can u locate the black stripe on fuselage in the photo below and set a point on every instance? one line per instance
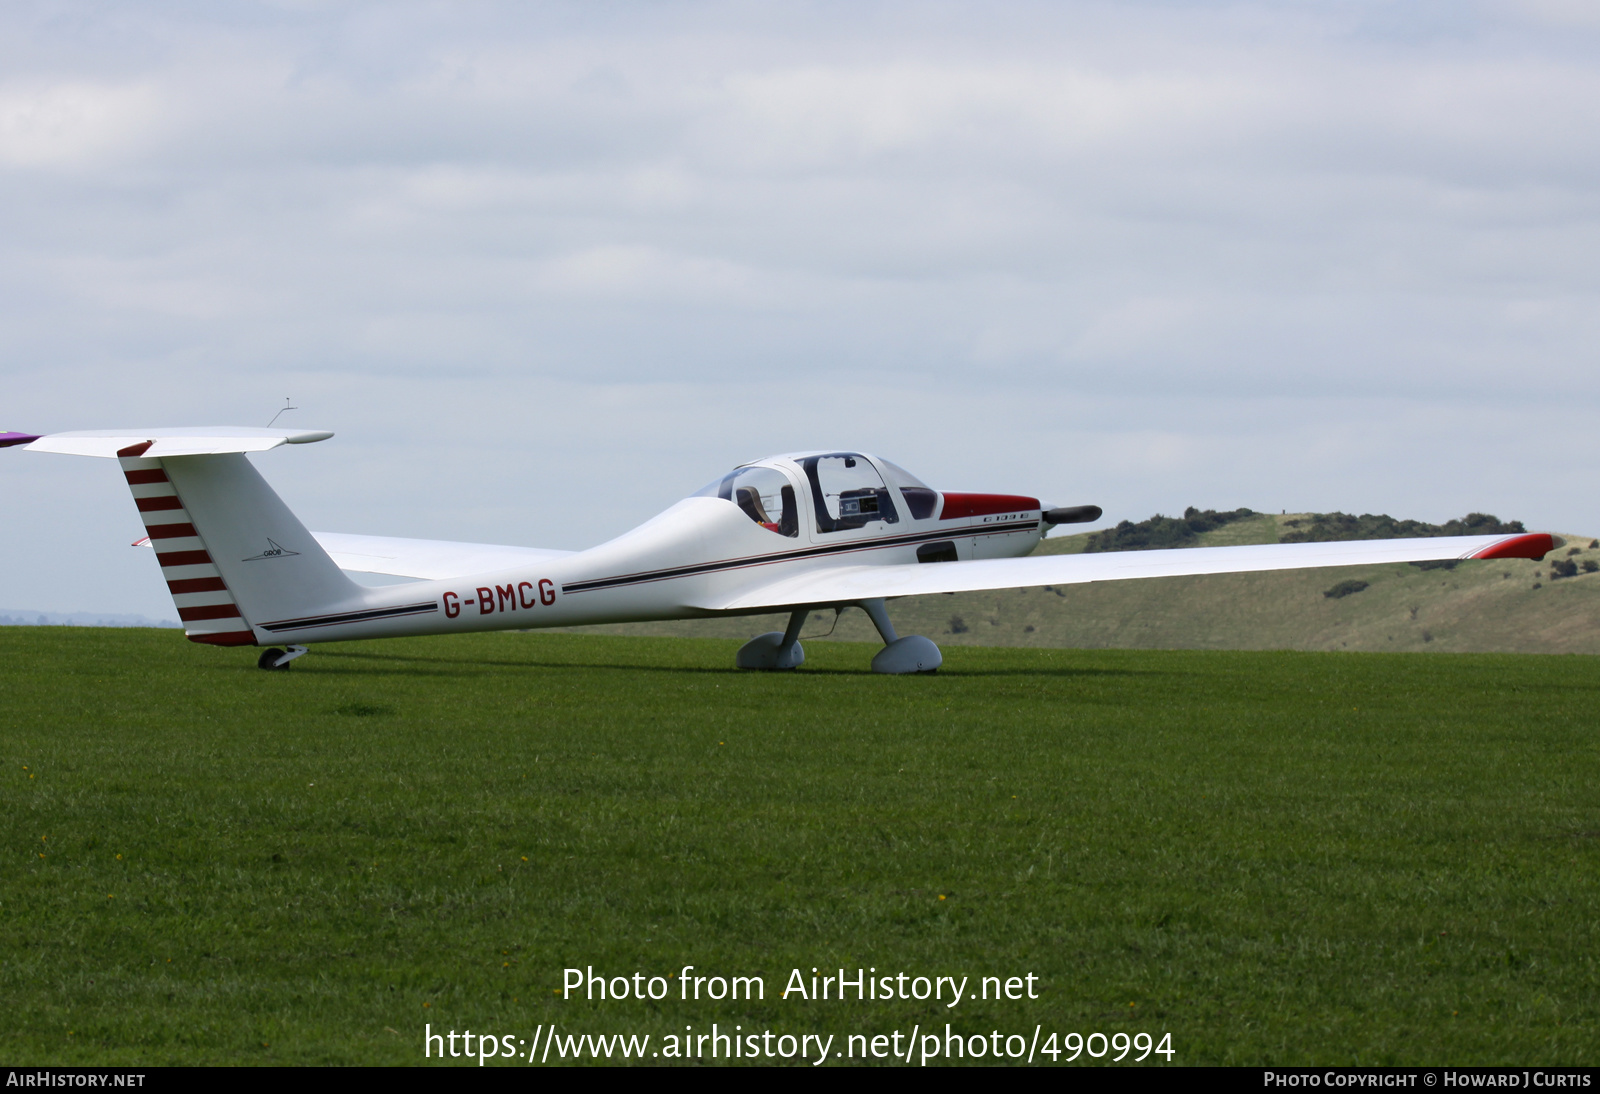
(349, 617)
(789, 556)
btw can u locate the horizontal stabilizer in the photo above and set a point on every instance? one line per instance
(157, 443)
(426, 559)
(846, 585)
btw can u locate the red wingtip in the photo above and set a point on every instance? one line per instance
(1534, 545)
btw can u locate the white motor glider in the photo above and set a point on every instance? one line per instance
(794, 533)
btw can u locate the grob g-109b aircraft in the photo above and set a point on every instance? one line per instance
(793, 533)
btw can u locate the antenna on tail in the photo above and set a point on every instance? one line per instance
(286, 406)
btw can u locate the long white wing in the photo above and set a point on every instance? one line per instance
(427, 559)
(844, 584)
(156, 442)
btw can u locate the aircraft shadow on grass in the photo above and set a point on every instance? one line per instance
(467, 665)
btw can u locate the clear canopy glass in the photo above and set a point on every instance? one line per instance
(920, 498)
(764, 494)
(847, 492)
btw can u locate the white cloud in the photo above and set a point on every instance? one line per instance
(527, 257)
(73, 123)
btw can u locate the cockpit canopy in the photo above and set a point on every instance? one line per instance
(848, 490)
(921, 499)
(764, 493)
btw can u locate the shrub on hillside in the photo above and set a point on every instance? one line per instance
(1345, 588)
(1159, 531)
(1590, 565)
(1563, 567)
(1329, 527)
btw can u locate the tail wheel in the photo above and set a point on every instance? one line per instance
(270, 659)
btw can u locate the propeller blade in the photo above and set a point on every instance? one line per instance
(1072, 514)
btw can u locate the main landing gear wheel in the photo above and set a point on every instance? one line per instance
(770, 652)
(911, 654)
(775, 650)
(275, 659)
(900, 656)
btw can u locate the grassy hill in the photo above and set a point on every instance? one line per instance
(1509, 606)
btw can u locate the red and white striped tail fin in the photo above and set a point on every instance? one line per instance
(205, 604)
(234, 556)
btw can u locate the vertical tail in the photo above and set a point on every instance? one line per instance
(232, 553)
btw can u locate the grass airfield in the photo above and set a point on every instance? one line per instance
(1279, 857)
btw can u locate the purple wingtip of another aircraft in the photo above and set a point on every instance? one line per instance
(9, 439)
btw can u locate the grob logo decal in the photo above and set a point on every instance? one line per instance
(274, 550)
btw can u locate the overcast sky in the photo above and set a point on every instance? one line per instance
(546, 268)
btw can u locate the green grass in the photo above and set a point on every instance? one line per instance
(1277, 857)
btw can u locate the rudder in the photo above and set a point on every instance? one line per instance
(232, 554)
